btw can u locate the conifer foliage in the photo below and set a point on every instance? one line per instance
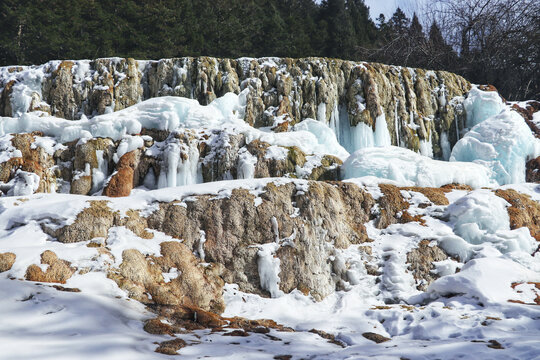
(35, 31)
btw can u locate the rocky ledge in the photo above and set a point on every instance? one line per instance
(207, 195)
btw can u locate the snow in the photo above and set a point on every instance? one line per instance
(481, 105)
(502, 143)
(128, 144)
(23, 183)
(408, 168)
(7, 150)
(324, 141)
(246, 164)
(121, 238)
(26, 87)
(536, 119)
(276, 153)
(437, 324)
(48, 144)
(481, 216)
(487, 279)
(172, 114)
(39, 322)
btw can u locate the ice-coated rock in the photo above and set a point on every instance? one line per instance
(416, 104)
(502, 143)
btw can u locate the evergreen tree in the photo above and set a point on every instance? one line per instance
(273, 29)
(441, 55)
(399, 22)
(381, 21)
(435, 36)
(364, 28)
(417, 44)
(393, 42)
(496, 44)
(340, 30)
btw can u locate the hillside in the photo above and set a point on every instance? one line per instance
(265, 208)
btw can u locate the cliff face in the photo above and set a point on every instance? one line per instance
(153, 142)
(421, 108)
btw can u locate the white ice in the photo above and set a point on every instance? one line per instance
(408, 168)
(502, 143)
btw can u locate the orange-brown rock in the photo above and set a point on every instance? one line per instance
(171, 347)
(122, 182)
(435, 195)
(526, 111)
(5, 99)
(406, 217)
(532, 173)
(394, 207)
(523, 212)
(331, 338)
(189, 317)
(488, 87)
(536, 285)
(6, 261)
(376, 338)
(234, 228)
(65, 289)
(59, 91)
(196, 285)
(391, 205)
(95, 221)
(295, 91)
(158, 327)
(421, 261)
(34, 160)
(58, 271)
(450, 187)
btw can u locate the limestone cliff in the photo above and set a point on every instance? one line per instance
(421, 108)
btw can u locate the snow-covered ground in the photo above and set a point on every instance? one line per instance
(458, 315)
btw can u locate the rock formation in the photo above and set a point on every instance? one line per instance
(418, 105)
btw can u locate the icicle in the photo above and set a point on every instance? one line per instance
(457, 128)
(396, 124)
(100, 173)
(246, 164)
(173, 158)
(200, 248)
(381, 135)
(445, 146)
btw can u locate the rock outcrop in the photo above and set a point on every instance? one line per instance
(418, 105)
(56, 271)
(421, 262)
(195, 284)
(533, 170)
(102, 165)
(6, 261)
(307, 224)
(523, 211)
(303, 225)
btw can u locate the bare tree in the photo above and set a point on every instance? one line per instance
(497, 40)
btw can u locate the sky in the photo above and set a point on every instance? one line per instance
(387, 7)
